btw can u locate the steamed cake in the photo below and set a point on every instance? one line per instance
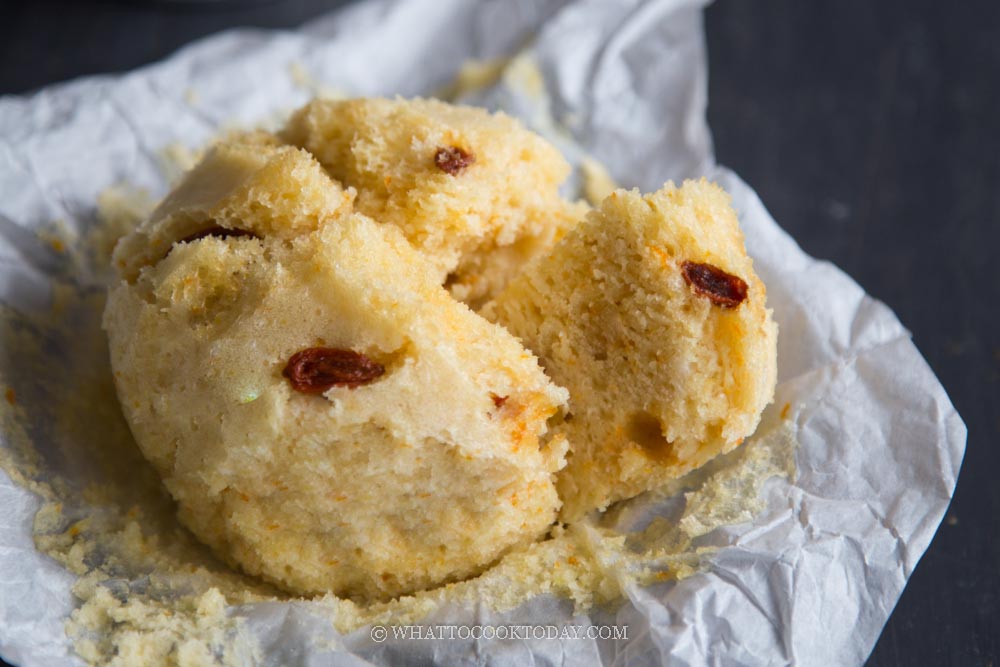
(326, 415)
(242, 186)
(475, 192)
(650, 313)
(292, 353)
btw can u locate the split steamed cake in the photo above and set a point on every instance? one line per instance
(425, 464)
(475, 192)
(249, 185)
(650, 313)
(292, 353)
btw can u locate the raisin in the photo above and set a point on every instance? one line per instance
(498, 401)
(316, 369)
(722, 289)
(453, 160)
(219, 233)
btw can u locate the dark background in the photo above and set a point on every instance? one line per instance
(871, 130)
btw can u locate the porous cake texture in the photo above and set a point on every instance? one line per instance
(326, 415)
(295, 350)
(650, 313)
(475, 192)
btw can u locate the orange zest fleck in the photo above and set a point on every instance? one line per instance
(661, 253)
(785, 410)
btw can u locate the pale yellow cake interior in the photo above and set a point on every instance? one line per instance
(352, 231)
(477, 226)
(427, 474)
(660, 378)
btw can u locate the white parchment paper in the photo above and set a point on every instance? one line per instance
(810, 581)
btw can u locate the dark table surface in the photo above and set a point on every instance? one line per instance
(871, 130)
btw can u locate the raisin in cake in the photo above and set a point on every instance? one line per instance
(326, 415)
(476, 192)
(650, 313)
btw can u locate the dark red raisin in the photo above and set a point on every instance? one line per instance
(453, 160)
(498, 401)
(316, 369)
(722, 289)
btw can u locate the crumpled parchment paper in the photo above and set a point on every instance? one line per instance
(811, 580)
